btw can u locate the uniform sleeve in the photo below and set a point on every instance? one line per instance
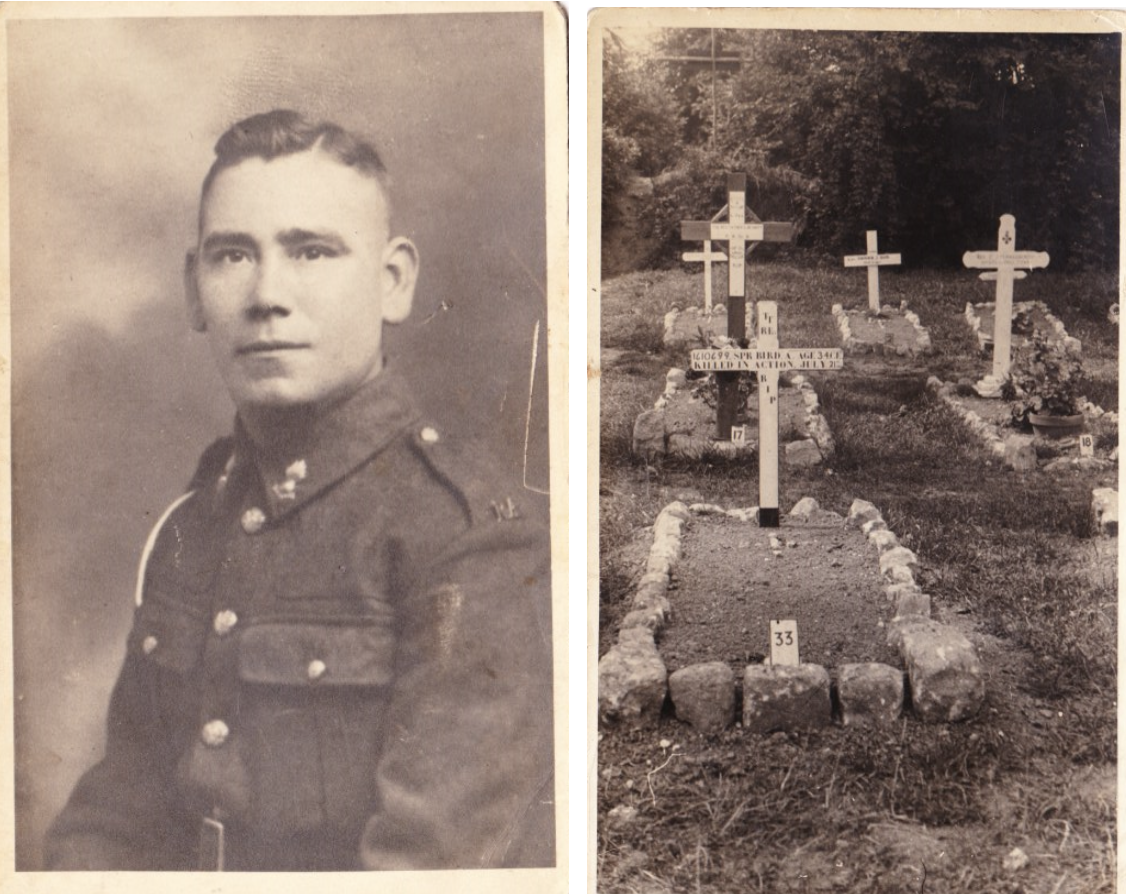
(465, 779)
(119, 813)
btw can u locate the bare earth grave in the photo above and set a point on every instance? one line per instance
(735, 577)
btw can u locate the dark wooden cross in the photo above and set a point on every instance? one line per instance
(741, 236)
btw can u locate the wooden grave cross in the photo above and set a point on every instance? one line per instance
(1006, 263)
(740, 236)
(709, 257)
(873, 260)
(767, 359)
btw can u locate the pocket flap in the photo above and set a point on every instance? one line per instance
(168, 634)
(288, 653)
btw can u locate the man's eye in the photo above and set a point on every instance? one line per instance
(230, 256)
(314, 252)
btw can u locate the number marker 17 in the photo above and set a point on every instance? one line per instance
(784, 643)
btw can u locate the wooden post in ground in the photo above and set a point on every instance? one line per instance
(740, 235)
(873, 260)
(768, 360)
(1008, 264)
(709, 257)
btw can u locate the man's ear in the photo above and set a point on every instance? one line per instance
(400, 273)
(191, 294)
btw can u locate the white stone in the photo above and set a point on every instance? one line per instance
(946, 676)
(704, 695)
(1020, 455)
(861, 512)
(649, 434)
(777, 697)
(632, 681)
(870, 694)
(804, 507)
(803, 454)
(1104, 507)
(897, 556)
(883, 540)
(876, 524)
(676, 377)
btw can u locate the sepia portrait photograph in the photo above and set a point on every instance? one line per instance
(286, 308)
(854, 315)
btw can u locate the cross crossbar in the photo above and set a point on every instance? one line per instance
(1004, 262)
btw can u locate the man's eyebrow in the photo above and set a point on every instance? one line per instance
(227, 239)
(296, 237)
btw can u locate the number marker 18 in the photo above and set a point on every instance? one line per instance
(1086, 445)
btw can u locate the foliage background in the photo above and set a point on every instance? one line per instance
(927, 137)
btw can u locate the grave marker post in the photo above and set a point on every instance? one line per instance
(1007, 265)
(873, 260)
(709, 257)
(740, 236)
(767, 359)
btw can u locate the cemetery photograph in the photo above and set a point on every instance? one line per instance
(854, 305)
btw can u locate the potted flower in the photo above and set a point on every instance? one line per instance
(1044, 380)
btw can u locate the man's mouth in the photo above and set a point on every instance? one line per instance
(266, 346)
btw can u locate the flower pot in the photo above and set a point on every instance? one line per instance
(1056, 426)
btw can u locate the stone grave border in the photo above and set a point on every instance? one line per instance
(1059, 331)
(667, 337)
(922, 344)
(816, 425)
(943, 680)
(1016, 452)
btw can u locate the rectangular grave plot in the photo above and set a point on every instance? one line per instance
(731, 585)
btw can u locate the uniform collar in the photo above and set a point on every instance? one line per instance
(302, 460)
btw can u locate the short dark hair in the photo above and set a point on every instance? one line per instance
(285, 132)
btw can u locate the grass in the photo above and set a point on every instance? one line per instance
(813, 812)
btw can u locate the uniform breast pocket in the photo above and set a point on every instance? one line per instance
(313, 698)
(168, 633)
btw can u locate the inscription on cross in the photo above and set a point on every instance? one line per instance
(1007, 264)
(740, 236)
(873, 260)
(767, 359)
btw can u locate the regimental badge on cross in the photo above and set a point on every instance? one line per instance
(1007, 265)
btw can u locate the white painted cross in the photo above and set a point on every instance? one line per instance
(767, 359)
(740, 237)
(709, 257)
(873, 260)
(1005, 262)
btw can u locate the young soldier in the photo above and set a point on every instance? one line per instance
(341, 654)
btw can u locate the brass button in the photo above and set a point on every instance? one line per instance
(214, 733)
(253, 520)
(148, 645)
(316, 669)
(429, 435)
(225, 622)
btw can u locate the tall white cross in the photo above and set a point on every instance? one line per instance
(740, 237)
(709, 257)
(1005, 262)
(873, 260)
(767, 359)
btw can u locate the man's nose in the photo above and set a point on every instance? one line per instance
(272, 290)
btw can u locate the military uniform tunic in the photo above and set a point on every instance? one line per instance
(341, 660)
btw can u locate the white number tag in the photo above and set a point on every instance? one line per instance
(784, 643)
